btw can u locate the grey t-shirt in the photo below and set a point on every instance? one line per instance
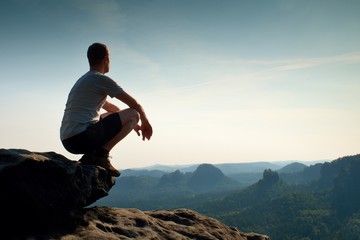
(84, 102)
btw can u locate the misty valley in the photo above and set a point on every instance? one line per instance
(293, 201)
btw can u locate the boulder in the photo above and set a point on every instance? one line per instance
(40, 190)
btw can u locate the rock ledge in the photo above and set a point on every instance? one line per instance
(44, 195)
(180, 224)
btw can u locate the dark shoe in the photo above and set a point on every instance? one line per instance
(102, 161)
(88, 159)
(105, 163)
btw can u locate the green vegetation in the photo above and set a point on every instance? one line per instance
(317, 202)
(328, 208)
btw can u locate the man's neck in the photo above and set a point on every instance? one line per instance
(99, 68)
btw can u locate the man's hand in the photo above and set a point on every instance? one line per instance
(145, 129)
(137, 129)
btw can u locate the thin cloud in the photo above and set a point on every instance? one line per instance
(294, 64)
(263, 71)
(106, 14)
(314, 62)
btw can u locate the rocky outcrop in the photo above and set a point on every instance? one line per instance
(44, 195)
(41, 190)
(181, 224)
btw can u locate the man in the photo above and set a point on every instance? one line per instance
(83, 130)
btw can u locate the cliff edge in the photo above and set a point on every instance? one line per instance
(44, 196)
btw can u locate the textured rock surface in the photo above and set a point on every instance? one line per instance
(40, 189)
(181, 224)
(43, 195)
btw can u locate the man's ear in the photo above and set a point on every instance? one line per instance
(106, 60)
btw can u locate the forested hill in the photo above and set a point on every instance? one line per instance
(328, 208)
(321, 201)
(171, 190)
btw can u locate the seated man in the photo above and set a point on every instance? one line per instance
(83, 130)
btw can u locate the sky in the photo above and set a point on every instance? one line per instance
(226, 81)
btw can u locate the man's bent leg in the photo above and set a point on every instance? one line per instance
(129, 118)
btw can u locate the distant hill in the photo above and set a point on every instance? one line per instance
(346, 194)
(208, 178)
(226, 168)
(148, 192)
(307, 175)
(253, 167)
(145, 172)
(245, 174)
(171, 168)
(174, 180)
(260, 192)
(331, 170)
(321, 201)
(328, 207)
(230, 168)
(292, 168)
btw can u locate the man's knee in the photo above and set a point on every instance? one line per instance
(129, 115)
(135, 114)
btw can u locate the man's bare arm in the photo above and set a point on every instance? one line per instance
(132, 103)
(145, 128)
(109, 107)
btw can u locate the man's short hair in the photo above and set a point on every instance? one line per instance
(96, 53)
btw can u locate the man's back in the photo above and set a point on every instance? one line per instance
(84, 102)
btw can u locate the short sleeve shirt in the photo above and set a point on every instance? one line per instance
(84, 102)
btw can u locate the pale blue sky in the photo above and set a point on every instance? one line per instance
(221, 81)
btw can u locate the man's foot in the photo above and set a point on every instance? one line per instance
(105, 163)
(102, 161)
(87, 159)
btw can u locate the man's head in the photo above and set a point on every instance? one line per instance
(98, 55)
